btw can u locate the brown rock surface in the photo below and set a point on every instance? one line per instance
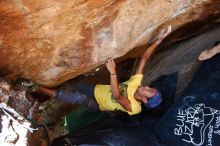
(53, 41)
(18, 110)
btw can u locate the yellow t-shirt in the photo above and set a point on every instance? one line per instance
(107, 102)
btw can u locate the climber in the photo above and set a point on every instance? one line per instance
(126, 97)
(209, 53)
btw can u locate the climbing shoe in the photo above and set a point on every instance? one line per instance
(27, 84)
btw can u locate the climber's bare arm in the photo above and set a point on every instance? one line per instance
(124, 102)
(150, 50)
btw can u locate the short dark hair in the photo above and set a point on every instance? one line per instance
(216, 43)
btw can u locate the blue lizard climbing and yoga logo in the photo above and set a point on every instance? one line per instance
(198, 124)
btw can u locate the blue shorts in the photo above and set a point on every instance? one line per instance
(84, 95)
(85, 88)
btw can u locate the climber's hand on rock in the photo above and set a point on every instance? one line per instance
(164, 34)
(110, 64)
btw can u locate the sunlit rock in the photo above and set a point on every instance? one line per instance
(53, 41)
(17, 113)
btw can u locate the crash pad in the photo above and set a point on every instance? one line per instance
(194, 119)
(82, 117)
(110, 132)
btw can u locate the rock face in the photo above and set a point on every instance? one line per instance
(18, 110)
(53, 41)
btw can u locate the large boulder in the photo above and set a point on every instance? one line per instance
(53, 41)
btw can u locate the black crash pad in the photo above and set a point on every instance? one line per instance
(121, 136)
(194, 119)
